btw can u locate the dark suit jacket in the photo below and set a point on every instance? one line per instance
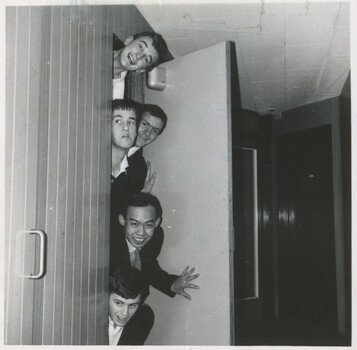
(138, 328)
(152, 273)
(136, 171)
(119, 191)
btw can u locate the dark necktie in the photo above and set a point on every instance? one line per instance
(135, 259)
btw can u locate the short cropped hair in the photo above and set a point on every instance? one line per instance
(127, 283)
(141, 200)
(127, 105)
(155, 111)
(159, 44)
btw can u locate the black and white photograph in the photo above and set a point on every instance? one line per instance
(178, 173)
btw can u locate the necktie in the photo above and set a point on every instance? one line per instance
(135, 259)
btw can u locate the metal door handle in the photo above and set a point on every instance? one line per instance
(41, 271)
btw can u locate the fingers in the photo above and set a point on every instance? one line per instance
(185, 271)
(148, 173)
(186, 295)
(193, 286)
(190, 278)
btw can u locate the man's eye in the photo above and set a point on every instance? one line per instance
(134, 224)
(133, 306)
(119, 303)
(144, 124)
(132, 122)
(155, 131)
(149, 225)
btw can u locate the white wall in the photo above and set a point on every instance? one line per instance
(192, 158)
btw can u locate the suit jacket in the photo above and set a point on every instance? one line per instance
(136, 331)
(136, 171)
(119, 191)
(151, 271)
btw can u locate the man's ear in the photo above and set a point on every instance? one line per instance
(157, 222)
(121, 220)
(128, 40)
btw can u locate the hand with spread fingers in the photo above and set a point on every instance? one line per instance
(149, 180)
(183, 281)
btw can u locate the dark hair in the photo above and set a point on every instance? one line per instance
(128, 104)
(155, 111)
(159, 44)
(127, 283)
(141, 200)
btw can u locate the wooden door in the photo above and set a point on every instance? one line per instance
(58, 95)
(306, 241)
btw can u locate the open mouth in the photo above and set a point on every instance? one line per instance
(139, 240)
(131, 58)
(120, 320)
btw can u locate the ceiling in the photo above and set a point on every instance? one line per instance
(288, 54)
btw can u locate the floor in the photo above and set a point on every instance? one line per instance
(296, 331)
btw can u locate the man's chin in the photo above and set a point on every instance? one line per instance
(139, 143)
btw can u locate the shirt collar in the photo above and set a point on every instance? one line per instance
(123, 165)
(130, 246)
(122, 75)
(113, 329)
(132, 150)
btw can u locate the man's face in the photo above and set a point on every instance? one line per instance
(149, 129)
(121, 310)
(138, 54)
(123, 128)
(139, 225)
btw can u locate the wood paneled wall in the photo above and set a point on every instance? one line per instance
(58, 121)
(23, 49)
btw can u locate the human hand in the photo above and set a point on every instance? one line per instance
(149, 180)
(182, 282)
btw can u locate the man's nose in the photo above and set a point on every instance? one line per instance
(147, 131)
(141, 231)
(140, 55)
(125, 126)
(125, 310)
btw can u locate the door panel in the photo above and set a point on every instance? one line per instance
(21, 169)
(58, 178)
(307, 271)
(192, 158)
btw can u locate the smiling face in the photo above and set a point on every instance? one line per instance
(149, 129)
(139, 224)
(123, 128)
(121, 310)
(138, 54)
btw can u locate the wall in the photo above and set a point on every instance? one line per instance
(192, 158)
(326, 112)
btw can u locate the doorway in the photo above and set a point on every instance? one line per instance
(306, 242)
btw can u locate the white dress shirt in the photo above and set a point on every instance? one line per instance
(123, 165)
(114, 332)
(119, 86)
